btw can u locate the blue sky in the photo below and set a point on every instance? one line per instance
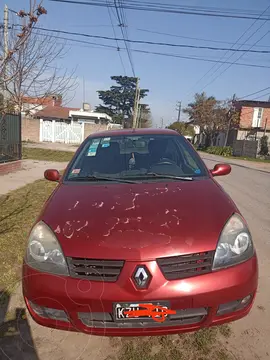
(168, 79)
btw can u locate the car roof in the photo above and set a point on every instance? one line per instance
(147, 131)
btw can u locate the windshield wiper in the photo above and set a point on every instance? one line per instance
(101, 178)
(165, 176)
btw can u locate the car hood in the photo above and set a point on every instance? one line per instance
(138, 221)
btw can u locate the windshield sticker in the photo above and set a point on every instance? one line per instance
(75, 171)
(105, 142)
(197, 171)
(93, 147)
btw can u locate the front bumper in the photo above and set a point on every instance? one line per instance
(89, 305)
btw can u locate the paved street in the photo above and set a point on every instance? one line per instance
(250, 189)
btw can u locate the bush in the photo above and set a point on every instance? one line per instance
(220, 150)
(264, 145)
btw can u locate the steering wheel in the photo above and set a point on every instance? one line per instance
(166, 161)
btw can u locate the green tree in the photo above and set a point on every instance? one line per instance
(182, 128)
(118, 101)
(209, 114)
(264, 145)
(145, 116)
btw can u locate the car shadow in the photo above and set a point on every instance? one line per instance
(16, 342)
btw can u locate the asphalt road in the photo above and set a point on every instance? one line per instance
(250, 190)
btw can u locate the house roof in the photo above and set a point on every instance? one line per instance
(55, 112)
(252, 103)
(90, 115)
(40, 100)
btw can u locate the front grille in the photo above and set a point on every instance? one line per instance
(105, 320)
(92, 269)
(185, 266)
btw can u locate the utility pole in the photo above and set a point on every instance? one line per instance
(138, 108)
(139, 116)
(136, 104)
(265, 126)
(229, 118)
(83, 90)
(5, 54)
(178, 108)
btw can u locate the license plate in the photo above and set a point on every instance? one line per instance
(132, 311)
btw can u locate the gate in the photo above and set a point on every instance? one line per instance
(10, 138)
(47, 131)
(58, 131)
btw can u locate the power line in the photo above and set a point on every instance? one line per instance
(153, 7)
(199, 59)
(231, 49)
(194, 38)
(119, 53)
(227, 68)
(111, 47)
(152, 42)
(159, 53)
(125, 38)
(255, 93)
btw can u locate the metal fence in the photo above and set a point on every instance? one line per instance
(10, 138)
(246, 148)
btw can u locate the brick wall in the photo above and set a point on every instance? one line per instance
(30, 129)
(247, 116)
(92, 128)
(10, 167)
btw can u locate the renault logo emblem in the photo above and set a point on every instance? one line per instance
(141, 277)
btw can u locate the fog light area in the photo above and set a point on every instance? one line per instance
(234, 305)
(48, 313)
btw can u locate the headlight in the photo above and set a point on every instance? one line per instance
(44, 252)
(234, 245)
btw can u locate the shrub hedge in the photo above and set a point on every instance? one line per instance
(220, 150)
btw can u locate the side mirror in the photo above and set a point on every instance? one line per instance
(52, 175)
(221, 170)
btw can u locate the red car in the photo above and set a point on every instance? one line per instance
(138, 220)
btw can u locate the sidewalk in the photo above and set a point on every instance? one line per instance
(32, 170)
(254, 165)
(52, 146)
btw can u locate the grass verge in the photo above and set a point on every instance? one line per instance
(259, 160)
(202, 345)
(18, 211)
(46, 154)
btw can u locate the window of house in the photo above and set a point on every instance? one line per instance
(257, 117)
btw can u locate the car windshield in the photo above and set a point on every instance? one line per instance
(134, 157)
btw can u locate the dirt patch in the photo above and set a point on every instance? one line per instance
(202, 345)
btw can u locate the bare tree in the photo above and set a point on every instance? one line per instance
(35, 69)
(40, 72)
(7, 54)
